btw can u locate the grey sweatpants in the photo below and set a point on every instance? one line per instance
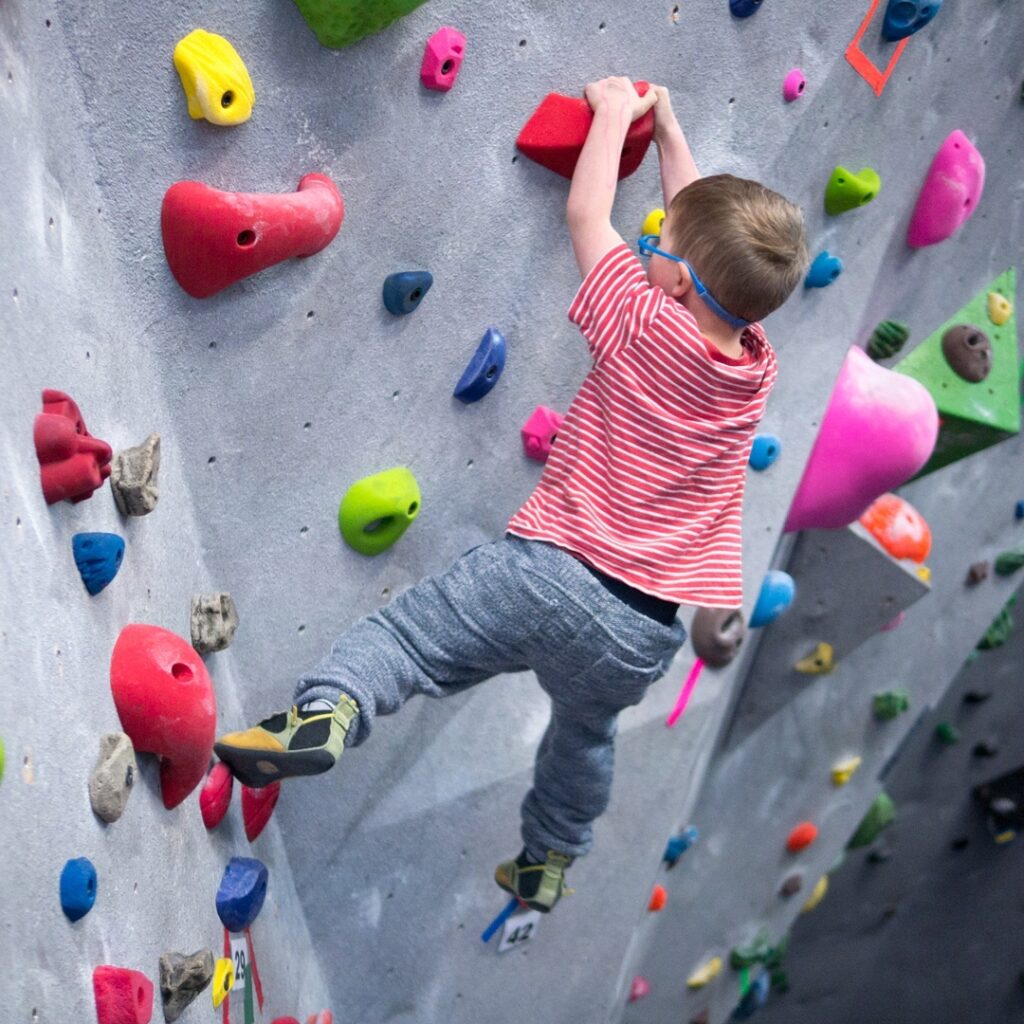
(509, 606)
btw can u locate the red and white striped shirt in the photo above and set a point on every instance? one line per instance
(645, 479)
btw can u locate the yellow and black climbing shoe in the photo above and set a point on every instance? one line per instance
(537, 886)
(303, 741)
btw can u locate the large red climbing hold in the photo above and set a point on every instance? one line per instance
(213, 239)
(257, 807)
(555, 134)
(165, 700)
(122, 996)
(215, 795)
(72, 463)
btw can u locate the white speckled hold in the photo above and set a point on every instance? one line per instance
(133, 478)
(182, 978)
(112, 779)
(214, 621)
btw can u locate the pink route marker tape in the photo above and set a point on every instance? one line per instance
(685, 693)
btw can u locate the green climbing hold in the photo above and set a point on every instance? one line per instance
(890, 703)
(948, 733)
(378, 509)
(999, 632)
(881, 814)
(753, 953)
(339, 23)
(1009, 562)
(887, 339)
(846, 191)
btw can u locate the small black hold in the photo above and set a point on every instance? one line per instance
(977, 696)
(986, 748)
(960, 843)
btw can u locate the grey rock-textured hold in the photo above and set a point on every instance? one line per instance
(214, 621)
(112, 779)
(182, 978)
(133, 477)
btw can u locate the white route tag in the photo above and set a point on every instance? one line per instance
(240, 958)
(519, 929)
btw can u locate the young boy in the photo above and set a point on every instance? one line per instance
(638, 509)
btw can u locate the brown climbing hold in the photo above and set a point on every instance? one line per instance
(112, 779)
(968, 351)
(792, 885)
(716, 634)
(133, 477)
(977, 573)
(182, 978)
(213, 622)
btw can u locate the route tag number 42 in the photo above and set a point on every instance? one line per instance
(518, 930)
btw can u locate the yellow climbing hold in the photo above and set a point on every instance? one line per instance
(223, 980)
(215, 80)
(817, 896)
(819, 663)
(653, 222)
(1000, 308)
(924, 574)
(704, 974)
(843, 770)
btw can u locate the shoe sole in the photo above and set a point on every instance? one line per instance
(258, 768)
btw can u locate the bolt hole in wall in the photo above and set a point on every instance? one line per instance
(674, 14)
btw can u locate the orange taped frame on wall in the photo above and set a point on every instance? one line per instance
(875, 76)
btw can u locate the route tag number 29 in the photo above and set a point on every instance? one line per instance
(518, 930)
(240, 958)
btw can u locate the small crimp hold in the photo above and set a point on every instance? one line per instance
(223, 980)
(376, 510)
(242, 892)
(802, 836)
(1000, 308)
(744, 8)
(1000, 629)
(257, 807)
(794, 85)
(1009, 562)
(639, 988)
(1018, 510)
(213, 621)
(717, 634)
(122, 996)
(112, 779)
(824, 270)
(182, 978)
(539, 432)
(880, 815)
(887, 339)
(791, 885)
(215, 79)
(679, 844)
(879, 853)
(775, 597)
(653, 222)
(843, 771)
(442, 58)
(977, 573)
(819, 663)
(890, 704)
(484, 368)
(977, 696)
(764, 452)
(706, 973)
(404, 291)
(846, 191)
(905, 17)
(659, 897)
(77, 888)
(817, 895)
(968, 350)
(72, 463)
(98, 557)
(986, 748)
(133, 477)
(947, 733)
(215, 796)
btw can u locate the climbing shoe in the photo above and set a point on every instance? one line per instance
(537, 886)
(297, 742)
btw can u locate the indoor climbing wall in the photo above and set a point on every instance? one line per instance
(272, 395)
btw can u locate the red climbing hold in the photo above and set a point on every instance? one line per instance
(216, 795)
(72, 463)
(284, 1020)
(165, 700)
(257, 807)
(122, 996)
(659, 897)
(801, 837)
(213, 239)
(555, 134)
(323, 1017)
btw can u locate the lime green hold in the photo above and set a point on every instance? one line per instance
(846, 191)
(881, 814)
(378, 509)
(340, 23)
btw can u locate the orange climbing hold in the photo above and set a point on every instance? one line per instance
(801, 837)
(898, 527)
(659, 897)
(323, 1017)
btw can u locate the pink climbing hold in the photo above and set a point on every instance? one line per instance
(794, 85)
(442, 59)
(257, 807)
(122, 996)
(539, 432)
(165, 701)
(879, 429)
(950, 194)
(215, 795)
(640, 988)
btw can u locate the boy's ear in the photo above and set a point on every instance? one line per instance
(683, 281)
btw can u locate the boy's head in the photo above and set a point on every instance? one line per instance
(746, 242)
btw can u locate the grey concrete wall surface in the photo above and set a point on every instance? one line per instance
(276, 394)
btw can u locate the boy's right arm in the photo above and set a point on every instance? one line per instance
(677, 165)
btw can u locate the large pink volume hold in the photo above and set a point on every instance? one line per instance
(213, 239)
(879, 429)
(950, 194)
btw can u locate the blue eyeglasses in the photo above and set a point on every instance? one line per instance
(647, 246)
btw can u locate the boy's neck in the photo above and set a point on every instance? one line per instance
(728, 340)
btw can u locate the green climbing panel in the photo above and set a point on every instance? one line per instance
(339, 23)
(972, 416)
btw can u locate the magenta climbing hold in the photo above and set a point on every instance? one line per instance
(122, 996)
(442, 58)
(539, 432)
(793, 85)
(484, 368)
(879, 429)
(213, 239)
(950, 194)
(639, 989)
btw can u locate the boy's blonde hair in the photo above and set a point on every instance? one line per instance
(746, 242)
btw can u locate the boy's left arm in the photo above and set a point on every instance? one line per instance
(616, 105)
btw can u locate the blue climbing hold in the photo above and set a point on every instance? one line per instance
(744, 8)
(77, 888)
(1018, 510)
(484, 368)
(679, 844)
(766, 449)
(824, 270)
(403, 292)
(755, 998)
(777, 593)
(904, 17)
(242, 891)
(98, 557)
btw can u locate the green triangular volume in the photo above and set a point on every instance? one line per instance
(339, 23)
(972, 416)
